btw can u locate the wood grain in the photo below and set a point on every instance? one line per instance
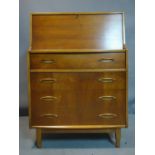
(69, 80)
(78, 94)
(78, 61)
(75, 31)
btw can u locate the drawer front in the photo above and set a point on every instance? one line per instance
(82, 107)
(78, 61)
(49, 82)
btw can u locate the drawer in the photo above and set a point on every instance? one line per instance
(83, 107)
(61, 119)
(49, 82)
(78, 61)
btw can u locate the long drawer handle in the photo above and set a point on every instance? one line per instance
(106, 80)
(48, 80)
(107, 98)
(47, 61)
(49, 115)
(107, 115)
(48, 98)
(106, 60)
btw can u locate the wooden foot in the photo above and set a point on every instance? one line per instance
(38, 138)
(118, 137)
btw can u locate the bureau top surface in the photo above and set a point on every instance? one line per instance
(76, 31)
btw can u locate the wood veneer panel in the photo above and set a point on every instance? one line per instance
(77, 31)
(80, 108)
(78, 61)
(46, 82)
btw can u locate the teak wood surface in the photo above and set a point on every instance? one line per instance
(99, 31)
(78, 61)
(78, 73)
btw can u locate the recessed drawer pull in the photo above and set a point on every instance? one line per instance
(106, 80)
(106, 60)
(47, 61)
(107, 115)
(48, 80)
(48, 98)
(107, 98)
(49, 115)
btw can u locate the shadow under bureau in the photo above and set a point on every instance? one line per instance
(77, 72)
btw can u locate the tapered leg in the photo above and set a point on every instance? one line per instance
(118, 136)
(38, 138)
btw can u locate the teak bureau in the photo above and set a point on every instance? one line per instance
(77, 71)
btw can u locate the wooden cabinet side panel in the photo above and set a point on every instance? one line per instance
(29, 88)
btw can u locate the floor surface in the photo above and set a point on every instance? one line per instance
(76, 144)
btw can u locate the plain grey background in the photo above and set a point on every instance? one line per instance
(28, 6)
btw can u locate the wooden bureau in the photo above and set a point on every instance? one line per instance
(77, 73)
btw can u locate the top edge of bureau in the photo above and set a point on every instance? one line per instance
(72, 13)
(74, 51)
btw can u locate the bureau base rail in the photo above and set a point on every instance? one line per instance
(117, 131)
